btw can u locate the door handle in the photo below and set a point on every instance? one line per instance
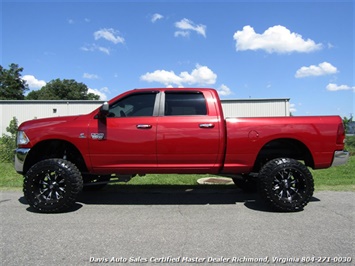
(208, 125)
(144, 126)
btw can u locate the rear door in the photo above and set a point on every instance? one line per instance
(126, 139)
(187, 136)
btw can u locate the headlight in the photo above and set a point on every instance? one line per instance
(22, 138)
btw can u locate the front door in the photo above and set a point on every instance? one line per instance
(125, 141)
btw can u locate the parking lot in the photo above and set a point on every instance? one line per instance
(165, 226)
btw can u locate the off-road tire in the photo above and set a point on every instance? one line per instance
(52, 185)
(286, 184)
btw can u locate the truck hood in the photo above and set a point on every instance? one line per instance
(45, 122)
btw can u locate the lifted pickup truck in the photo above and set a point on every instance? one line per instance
(175, 131)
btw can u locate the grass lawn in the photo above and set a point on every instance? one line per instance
(340, 178)
(9, 179)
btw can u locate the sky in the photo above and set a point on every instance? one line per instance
(302, 50)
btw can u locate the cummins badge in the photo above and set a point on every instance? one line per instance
(98, 136)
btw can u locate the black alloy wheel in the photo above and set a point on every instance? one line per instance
(52, 185)
(286, 184)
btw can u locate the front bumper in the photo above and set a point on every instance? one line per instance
(20, 157)
(340, 157)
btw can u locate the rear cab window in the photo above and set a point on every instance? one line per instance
(184, 103)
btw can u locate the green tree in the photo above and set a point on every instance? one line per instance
(8, 142)
(346, 122)
(12, 128)
(12, 87)
(66, 89)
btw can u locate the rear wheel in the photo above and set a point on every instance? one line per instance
(52, 185)
(286, 184)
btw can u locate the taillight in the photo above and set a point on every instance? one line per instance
(341, 134)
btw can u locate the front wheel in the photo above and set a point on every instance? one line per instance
(286, 184)
(52, 185)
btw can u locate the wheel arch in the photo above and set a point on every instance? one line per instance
(283, 148)
(55, 148)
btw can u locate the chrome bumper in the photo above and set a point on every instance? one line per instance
(20, 156)
(340, 157)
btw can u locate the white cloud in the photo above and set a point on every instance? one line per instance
(223, 90)
(276, 39)
(201, 75)
(33, 83)
(94, 47)
(292, 108)
(90, 76)
(162, 76)
(103, 49)
(110, 35)
(322, 69)
(335, 87)
(72, 21)
(101, 92)
(105, 89)
(156, 17)
(181, 33)
(185, 26)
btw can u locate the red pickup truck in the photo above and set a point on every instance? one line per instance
(175, 131)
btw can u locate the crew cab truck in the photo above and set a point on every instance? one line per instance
(166, 130)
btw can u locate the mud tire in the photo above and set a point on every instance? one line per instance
(52, 185)
(286, 184)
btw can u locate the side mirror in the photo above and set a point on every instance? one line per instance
(104, 110)
(104, 107)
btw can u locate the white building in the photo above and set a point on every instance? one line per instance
(25, 110)
(256, 107)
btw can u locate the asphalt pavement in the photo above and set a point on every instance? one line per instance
(178, 226)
